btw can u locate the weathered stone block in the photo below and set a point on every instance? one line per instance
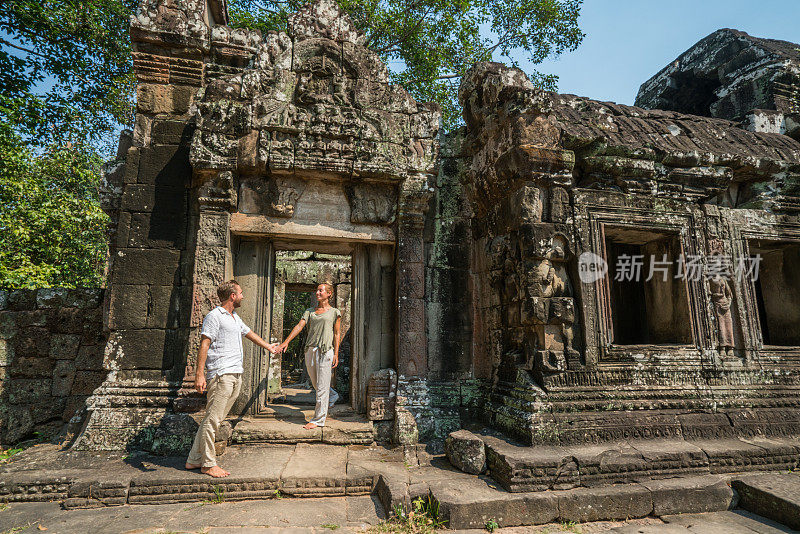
(3, 299)
(170, 132)
(137, 349)
(466, 451)
(84, 298)
(69, 320)
(51, 298)
(63, 377)
(175, 434)
(612, 502)
(128, 307)
(6, 353)
(157, 229)
(31, 367)
(774, 496)
(22, 299)
(412, 354)
(8, 326)
(411, 314)
(17, 423)
(90, 358)
(381, 395)
(85, 382)
(405, 430)
(26, 319)
(164, 166)
(690, 495)
(164, 307)
(32, 342)
(29, 390)
(164, 199)
(46, 410)
(146, 266)
(213, 230)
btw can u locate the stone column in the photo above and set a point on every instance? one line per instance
(412, 351)
(212, 265)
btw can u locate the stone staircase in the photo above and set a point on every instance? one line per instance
(283, 423)
(522, 468)
(283, 420)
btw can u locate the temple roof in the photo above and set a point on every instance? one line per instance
(657, 134)
(727, 74)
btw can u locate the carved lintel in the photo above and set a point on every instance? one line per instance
(372, 203)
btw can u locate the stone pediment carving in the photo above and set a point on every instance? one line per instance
(314, 102)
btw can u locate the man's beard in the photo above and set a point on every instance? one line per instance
(237, 303)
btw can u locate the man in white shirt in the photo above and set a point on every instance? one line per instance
(221, 357)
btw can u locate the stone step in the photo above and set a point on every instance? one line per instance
(775, 497)
(470, 501)
(521, 468)
(284, 424)
(257, 472)
(87, 480)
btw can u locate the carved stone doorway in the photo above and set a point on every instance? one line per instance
(363, 275)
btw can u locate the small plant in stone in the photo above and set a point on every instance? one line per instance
(331, 526)
(6, 454)
(422, 518)
(219, 495)
(571, 526)
(491, 525)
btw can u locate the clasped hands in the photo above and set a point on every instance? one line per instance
(282, 347)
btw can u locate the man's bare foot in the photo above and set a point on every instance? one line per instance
(192, 466)
(214, 471)
(309, 426)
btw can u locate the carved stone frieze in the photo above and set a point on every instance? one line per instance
(372, 203)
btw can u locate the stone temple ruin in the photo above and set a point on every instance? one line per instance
(477, 268)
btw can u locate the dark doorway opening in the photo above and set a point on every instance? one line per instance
(649, 303)
(777, 288)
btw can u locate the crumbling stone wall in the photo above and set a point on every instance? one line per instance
(51, 359)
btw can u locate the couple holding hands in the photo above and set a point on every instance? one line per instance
(219, 364)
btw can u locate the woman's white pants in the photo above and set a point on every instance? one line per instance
(318, 365)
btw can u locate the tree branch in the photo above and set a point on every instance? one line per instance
(32, 52)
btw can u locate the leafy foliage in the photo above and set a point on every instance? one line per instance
(52, 230)
(65, 69)
(430, 44)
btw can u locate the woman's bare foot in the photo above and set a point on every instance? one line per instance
(309, 426)
(192, 466)
(214, 471)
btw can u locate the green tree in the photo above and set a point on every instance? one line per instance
(52, 230)
(66, 70)
(429, 44)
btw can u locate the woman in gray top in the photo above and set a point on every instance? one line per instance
(321, 350)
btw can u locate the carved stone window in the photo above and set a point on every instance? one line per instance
(648, 302)
(777, 291)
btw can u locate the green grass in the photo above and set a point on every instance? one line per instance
(422, 518)
(5, 454)
(332, 526)
(491, 525)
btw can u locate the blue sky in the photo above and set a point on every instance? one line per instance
(629, 41)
